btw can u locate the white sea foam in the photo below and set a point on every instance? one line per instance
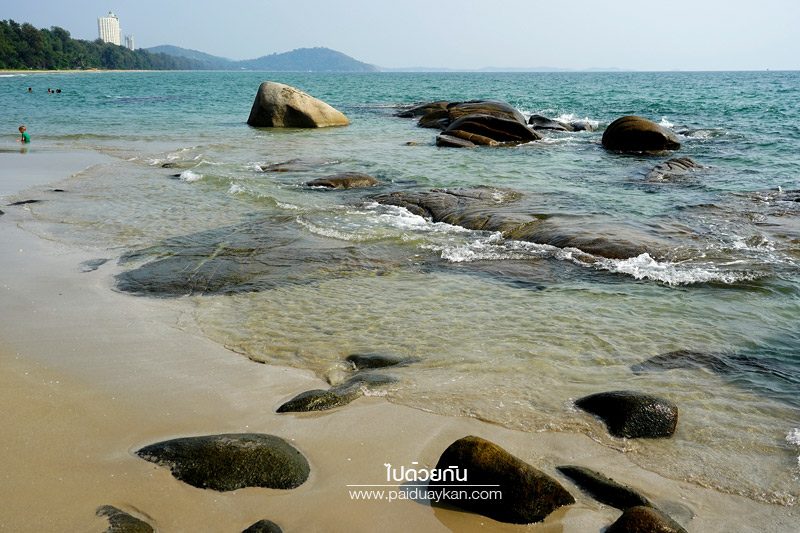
(571, 117)
(235, 188)
(189, 176)
(645, 267)
(284, 205)
(666, 123)
(793, 438)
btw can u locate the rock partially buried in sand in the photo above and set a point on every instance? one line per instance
(631, 414)
(644, 520)
(343, 394)
(121, 522)
(637, 134)
(264, 526)
(344, 180)
(280, 106)
(528, 495)
(604, 489)
(231, 461)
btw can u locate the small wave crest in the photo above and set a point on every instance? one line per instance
(666, 123)
(646, 267)
(793, 438)
(189, 176)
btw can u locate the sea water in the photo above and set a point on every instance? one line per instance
(506, 331)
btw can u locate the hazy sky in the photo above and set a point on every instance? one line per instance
(629, 34)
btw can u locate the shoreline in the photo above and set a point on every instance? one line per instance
(92, 374)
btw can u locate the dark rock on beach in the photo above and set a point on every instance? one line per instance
(231, 461)
(637, 134)
(344, 180)
(121, 522)
(604, 489)
(528, 494)
(631, 414)
(280, 106)
(644, 520)
(342, 394)
(672, 169)
(264, 526)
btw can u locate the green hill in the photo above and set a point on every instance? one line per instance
(300, 60)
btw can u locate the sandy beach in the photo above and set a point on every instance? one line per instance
(90, 375)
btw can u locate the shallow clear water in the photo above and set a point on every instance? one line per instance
(505, 331)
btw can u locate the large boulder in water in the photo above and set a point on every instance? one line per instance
(540, 122)
(344, 180)
(231, 461)
(632, 414)
(281, 106)
(528, 495)
(490, 130)
(637, 134)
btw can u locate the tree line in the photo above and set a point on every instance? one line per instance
(22, 46)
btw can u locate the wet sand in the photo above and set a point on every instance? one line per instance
(91, 375)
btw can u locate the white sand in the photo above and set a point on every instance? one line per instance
(90, 375)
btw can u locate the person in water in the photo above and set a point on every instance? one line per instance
(24, 137)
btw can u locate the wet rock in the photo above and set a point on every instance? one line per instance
(319, 400)
(25, 202)
(231, 461)
(92, 264)
(264, 526)
(528, 494)
(582, 125)
(121, 522)
(540, 122)
(644, 520)
(632, 414)
(297, 165)
(58, 190)
(170, 165)
(495, 209)
(449, 141)
(604, 489)
(672, 169)
(365, 361)
(423, 109)
(716, 362)
(253, 256)
(2, 212)
(491, 108)
(342, 394)
(637, 134)
(280, 106)
(437, 120)
(344, 180)
(489, 130)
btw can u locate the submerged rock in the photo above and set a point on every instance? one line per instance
(344, 180)
(342, 394)
(231, 461)
(92, 264)
(423, 109)
(637, 134)
(672, 169)
(528, 495)
(540, 122)
(264, 526)
(364, 361)
(495, 209)
(297, 165)
(644, 520)
(280, 106)
(631, 414)
(25, 202)
(121, 522)
(604, 489)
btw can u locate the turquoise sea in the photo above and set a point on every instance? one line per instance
(505, 331)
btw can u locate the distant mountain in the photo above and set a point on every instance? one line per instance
(203, 60)
(300, 60)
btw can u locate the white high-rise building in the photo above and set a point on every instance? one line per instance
(129, 43)
(108, 28)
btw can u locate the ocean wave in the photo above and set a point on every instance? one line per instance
(793, 438)
(571, 117)
(666, 123)
(189, 176)
(646, 267)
